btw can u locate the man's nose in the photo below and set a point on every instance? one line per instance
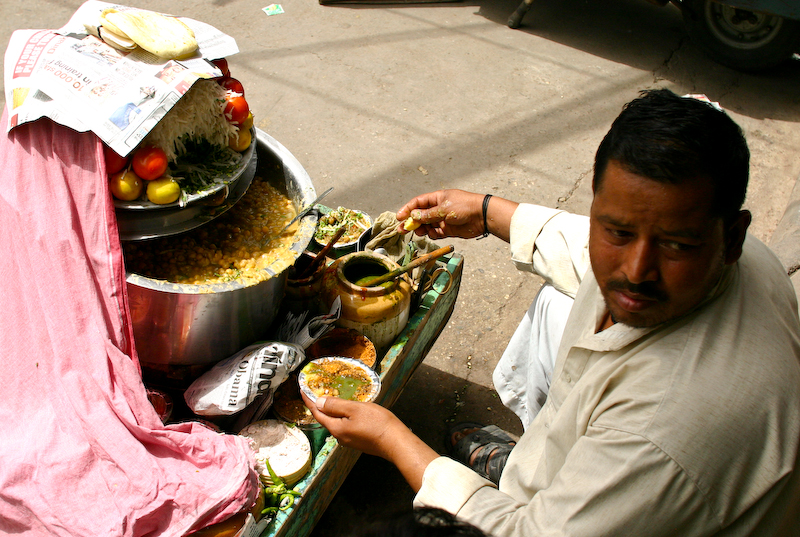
(641, 262)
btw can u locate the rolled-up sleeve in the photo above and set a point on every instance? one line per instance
(551, 243)
(612, 483)
(448, 485)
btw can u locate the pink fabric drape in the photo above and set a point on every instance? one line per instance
(82, 451)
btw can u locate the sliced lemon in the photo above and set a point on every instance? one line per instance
(410, 224)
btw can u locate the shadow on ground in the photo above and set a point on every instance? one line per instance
(642, 35)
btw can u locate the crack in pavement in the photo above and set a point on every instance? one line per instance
(571, 191)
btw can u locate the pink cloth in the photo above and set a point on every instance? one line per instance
(82, 451)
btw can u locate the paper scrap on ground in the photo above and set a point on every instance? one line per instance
(273, 9)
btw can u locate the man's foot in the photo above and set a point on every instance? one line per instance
(483, 448)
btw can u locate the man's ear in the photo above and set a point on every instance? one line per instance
(734, 236)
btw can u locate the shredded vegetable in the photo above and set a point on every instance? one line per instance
(355, 221)
(203, 164)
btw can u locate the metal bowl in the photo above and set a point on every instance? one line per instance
(191, 325)
(209, 192)
(138, 220)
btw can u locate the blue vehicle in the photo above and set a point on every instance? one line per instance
(748, 35)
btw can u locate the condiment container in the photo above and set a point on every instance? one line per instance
(287, 450)
(353, 236)
(161, 402)
(303, 294)
(289, 407)
(344, 342)
(380, 312)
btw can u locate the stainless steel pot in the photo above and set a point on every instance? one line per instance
(191, 325)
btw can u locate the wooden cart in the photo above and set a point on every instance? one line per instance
(333, 462)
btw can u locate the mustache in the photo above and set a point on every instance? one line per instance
(646, 289)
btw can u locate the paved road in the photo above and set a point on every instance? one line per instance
(387, 101)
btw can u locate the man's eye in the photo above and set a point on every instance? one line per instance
(619, 233)
(679, 246)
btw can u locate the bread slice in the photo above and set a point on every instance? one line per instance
(166, 37)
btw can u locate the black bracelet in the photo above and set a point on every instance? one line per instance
(486, 233)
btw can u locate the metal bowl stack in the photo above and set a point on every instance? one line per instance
(197, 325)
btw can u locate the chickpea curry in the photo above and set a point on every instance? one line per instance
(235, 246)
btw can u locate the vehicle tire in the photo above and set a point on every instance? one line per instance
(739, 38)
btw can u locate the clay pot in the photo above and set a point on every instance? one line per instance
(380, 312)
(304, 294)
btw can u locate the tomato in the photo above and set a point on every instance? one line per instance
(240, 141)
(231, 84)
(164, 190)
(150, 162)
(125, 185)
(114, 162)
(222, 64)
(236, 108)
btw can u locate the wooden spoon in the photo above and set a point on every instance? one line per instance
(322, 253)
(421, 260)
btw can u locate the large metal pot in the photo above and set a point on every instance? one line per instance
(192, 325)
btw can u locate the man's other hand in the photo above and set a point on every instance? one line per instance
(374, 430)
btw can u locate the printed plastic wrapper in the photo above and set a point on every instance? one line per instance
(295, 329)
(254, 372)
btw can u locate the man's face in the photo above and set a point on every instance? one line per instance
(655, 249)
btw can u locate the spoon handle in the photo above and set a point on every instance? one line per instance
(322, 253)
(421, 260)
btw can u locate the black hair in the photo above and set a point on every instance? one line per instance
(420, 522)
(673, 139)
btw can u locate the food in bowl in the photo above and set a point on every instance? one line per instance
(235, 246)
(345, 342)
(196, 145)
(288, 405)
(336, 376)
(356, 224)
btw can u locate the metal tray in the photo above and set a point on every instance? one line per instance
(207, 193)
(140, 225)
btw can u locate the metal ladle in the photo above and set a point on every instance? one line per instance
(307, 208)
(300, 215)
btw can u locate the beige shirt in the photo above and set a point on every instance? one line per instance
(690, 428)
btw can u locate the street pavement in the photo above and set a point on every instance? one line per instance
(387, 101)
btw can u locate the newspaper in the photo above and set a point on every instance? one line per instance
(75, 79)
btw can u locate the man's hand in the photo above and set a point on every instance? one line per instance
(374, 430)
(456, 213)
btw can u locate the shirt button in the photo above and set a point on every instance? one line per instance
(567, 377)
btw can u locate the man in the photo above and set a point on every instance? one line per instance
(674, 405)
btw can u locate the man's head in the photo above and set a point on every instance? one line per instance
(670, 179)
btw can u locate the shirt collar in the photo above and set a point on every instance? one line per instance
(620, 335)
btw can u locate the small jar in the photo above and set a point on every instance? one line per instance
(304, 294)
(379, 312)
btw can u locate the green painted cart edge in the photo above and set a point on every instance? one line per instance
(333, 462)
